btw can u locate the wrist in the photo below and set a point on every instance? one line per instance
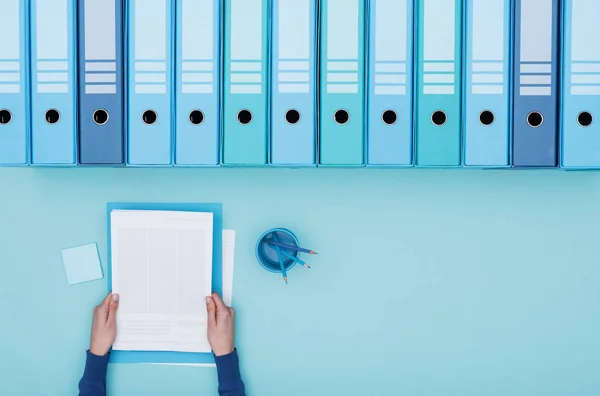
(95, 350)
(223, 351)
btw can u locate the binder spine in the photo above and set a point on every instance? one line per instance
(14, 86)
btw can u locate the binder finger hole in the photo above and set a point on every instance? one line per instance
(5, 117)
(486, 117)
(535, 119)
(52, 116)
(292, 116)
(438, 118)
(100, 117)
(585, 119)
(196, 117)
(389, 117)
(149, 117)
(244, 117)
(341, 117)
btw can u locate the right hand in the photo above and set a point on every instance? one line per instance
(104, 325)
(221, 320)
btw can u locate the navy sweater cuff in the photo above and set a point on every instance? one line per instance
(96, 367)
(228, 372)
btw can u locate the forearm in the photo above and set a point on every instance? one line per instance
(230, 379)
(93, 382)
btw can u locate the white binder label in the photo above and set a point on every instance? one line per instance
(100, 45)
(10, 55)
(342, 42)
(536, 44)
(487, 35)
(197, 46)
(439, 23)
(151, 21)
(391, 46)
(585, 47)
(294, 36)
(246, 45)
(52, 21)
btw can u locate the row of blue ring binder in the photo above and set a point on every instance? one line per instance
(399, 83)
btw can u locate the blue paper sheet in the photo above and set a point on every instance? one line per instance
(217, 278)
(82, 263)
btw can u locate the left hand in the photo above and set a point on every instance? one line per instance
(104, 325)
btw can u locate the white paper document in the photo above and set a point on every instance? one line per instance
(228, 259)
(162, 270)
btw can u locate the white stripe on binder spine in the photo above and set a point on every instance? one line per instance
(100, 66)
(535, 80)
(246, 89)
(585, 79)
(575, 90)
(150, 78)
(342, 77)
(294, 65)
(438, 89)
(342, 88)
(438, 78)
(100, 78)
(390, 90)
(52, 77)
(488, 67)
(150, 89)
(293, 77)
(575, 67)
(150, 66)
(487, 89)
(535, 91)
(197, 77)
(246, 66)
(390, 79)
(529, 68)
(197, 66)
(390, 67)
(342, 66)
(483, 78)
(439, 67)
(10, 88)
(9, 66)
(53, 66)
(10, 77)
(246, 78)
(100, 89)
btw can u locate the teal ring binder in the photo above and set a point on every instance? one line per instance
(267, 256)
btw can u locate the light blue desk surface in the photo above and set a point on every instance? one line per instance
(428, 282)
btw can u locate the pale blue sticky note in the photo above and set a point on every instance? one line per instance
(82, 263)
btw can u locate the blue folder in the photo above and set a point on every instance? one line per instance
(14, 67)
(390, 67)
(101, 87)
(535, 83)
(293, 83)
(438, 83)
(217, 278)
(580, 129)
(245, 94)
(149, 33)
(487, 84)
(53, 82)
(197, 117)
(342, 94)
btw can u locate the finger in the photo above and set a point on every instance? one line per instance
(106, 301)
(112, 310)
(221, 307)
(211, 309)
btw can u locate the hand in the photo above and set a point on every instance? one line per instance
(221, 320)
(104, 325)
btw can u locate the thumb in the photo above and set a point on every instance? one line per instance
(112, 310)
(211, 308)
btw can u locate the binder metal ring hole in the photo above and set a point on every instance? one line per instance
(535, 119)
(389, 117)
(52, 116)
(244, 117)
(149, 117)
(100, 117)
(5, 117)
(585, 119)
(438, 118)
(341, 116)
(292, 116)
(486, 117)
(196, 117)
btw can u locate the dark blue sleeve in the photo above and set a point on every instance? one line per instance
(230, 379)
(93, 382)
